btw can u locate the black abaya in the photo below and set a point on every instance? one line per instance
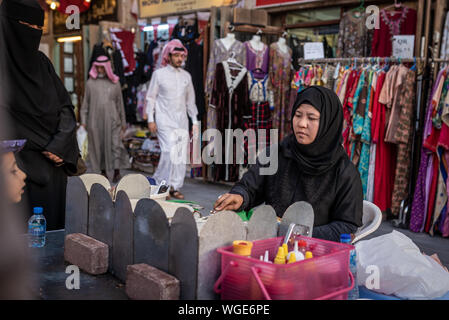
(38, 108)
(320, 173)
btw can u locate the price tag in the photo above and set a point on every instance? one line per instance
(403, 47)
(313, 50)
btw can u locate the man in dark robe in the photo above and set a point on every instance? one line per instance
(38, 109)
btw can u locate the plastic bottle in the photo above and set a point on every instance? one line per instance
(299, 256)
(354, 293)
(302, 247)
(285, 246)
(37, 226)
(292, 258)
(280, 257)
(242, 248)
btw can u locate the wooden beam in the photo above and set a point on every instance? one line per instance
(419, 27)
(253, 29)
(312, 24)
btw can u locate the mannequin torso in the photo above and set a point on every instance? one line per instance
(256, 43)
(282, 44)
(228, 40)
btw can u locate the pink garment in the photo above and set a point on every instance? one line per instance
(170, 48)
(103, 61)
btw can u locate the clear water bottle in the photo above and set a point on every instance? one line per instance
(354, 293)
(37, 226)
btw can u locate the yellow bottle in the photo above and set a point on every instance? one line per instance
(280, 257)
(292, 258)
(285, 246)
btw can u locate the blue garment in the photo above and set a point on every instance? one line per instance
(366, 139)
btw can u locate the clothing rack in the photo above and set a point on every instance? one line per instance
(440, 60)
(361, 60)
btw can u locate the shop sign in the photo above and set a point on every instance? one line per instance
(313, 50)
(403, 46)
(274, 3)
(151, 8)
(99, 10)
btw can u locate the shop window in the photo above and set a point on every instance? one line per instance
(315, 26)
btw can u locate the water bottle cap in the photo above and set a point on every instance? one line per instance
(345, 237)
(38, 210)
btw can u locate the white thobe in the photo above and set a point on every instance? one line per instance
(170, 98)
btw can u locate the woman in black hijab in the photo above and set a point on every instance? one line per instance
(312, 167)
(38, 109)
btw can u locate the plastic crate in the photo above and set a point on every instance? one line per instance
(325, 276)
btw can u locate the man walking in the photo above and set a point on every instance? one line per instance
(103, 113)
(170, 98)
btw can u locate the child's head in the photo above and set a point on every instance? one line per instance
(13, 177)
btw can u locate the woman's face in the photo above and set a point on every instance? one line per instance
(14, 178)
(306, 123)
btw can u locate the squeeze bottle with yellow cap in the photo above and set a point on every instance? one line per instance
(280, 257)
(285, 246)
(298, 254)
(291, 259)
(242, 248)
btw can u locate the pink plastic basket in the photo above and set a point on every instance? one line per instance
(325, 276)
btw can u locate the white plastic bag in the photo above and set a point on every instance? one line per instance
(403, 270)
(81, 136)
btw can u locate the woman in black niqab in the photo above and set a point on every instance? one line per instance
(38, 108)
(319, 172)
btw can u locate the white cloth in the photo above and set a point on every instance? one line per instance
(170, 98)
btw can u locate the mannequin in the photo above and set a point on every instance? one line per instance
(282, 43)
(229, 39)
(256, 42)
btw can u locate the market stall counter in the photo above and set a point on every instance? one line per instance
(50, 270)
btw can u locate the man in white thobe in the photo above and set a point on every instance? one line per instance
(170, 98)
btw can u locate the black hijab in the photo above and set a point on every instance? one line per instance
(35, 95)
(325, 151)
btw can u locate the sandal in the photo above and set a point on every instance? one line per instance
(177, 195)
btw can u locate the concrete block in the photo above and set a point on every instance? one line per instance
(144, 282)
(88, 254)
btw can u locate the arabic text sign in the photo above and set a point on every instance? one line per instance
(313, 50)
(403, 46)
(151, 8)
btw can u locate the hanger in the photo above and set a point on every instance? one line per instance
(231, 59)
(413, 68)
(397, 5)
(360, 8)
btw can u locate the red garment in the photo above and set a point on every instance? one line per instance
(347, 111)
(126, 45)
(403, 22)
(385, 153)
(431, 143)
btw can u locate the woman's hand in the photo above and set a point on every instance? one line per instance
(53, 157)
(228, 201)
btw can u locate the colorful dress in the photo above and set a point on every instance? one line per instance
(353, 38)
(280, 72)
(219, 54)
